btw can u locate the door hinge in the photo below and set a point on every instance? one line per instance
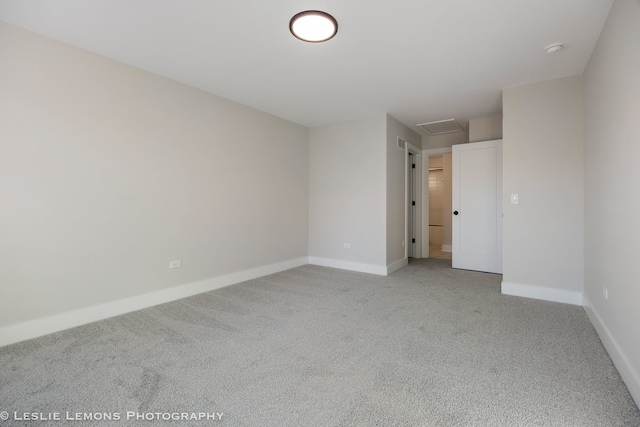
(413, 166)
(413, 240)
(413, 203)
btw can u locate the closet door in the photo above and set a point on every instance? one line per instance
(477, 206)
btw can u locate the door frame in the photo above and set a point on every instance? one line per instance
(417, 154)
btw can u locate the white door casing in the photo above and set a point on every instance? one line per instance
(477, 200)
(415, 224)
(412, 207)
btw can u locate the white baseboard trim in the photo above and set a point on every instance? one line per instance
(395, 266)
(547, 294)
(380, 270)
(629, 375)
(35, 328)
(447, 248)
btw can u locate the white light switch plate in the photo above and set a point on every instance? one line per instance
(514, 199)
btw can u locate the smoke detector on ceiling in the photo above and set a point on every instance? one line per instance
(554, 48)
(441, 126)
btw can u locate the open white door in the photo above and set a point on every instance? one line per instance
(477, 206)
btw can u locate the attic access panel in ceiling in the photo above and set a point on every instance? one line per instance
(441, 126)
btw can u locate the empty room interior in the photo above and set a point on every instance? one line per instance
(427, 216)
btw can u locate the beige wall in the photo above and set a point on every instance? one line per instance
(347, 192)
(480, 129)
(108, 172)
(543, 163)
(612, 205)
(357, 193)
(485, 129)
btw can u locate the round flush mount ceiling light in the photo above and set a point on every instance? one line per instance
(313, 26)
(554, 48)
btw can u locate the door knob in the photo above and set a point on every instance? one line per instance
(455, 212)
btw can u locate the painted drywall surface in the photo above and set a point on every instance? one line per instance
(108, 172)
(612, 205)
(543, 163)
(347, 191)
(485, 129)
(396, 180)
(446, 140)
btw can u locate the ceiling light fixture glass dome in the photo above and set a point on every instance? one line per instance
(313, 26)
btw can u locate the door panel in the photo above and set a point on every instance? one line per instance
(477, 199)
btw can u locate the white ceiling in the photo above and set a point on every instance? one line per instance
(418, 60)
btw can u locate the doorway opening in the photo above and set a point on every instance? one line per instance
(440, 234)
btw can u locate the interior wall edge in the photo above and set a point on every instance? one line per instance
(14, 333)
(397, 265)
(629, 375)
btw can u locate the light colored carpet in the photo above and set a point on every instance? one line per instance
(314, 346)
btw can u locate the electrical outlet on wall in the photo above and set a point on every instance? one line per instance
(175, 264)
(347, 245)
